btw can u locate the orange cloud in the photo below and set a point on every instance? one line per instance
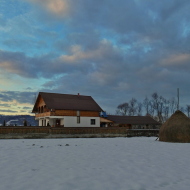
(179, 59)
(14, 107)
(78, 54)
(56, 7)
(11, 67)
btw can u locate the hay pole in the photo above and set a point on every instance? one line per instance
(177, 98)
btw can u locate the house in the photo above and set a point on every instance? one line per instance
(133, 122)
(66, 110)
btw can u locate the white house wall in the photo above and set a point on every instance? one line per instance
(70, 121)
(42, 122)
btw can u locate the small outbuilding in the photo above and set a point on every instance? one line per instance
(176, 129)
(133, 122)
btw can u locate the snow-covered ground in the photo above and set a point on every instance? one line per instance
(138, 163)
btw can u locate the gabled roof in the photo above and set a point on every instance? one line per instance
(133, 120)
(68, 102)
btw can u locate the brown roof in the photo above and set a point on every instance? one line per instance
(68, 102)
(133, 120)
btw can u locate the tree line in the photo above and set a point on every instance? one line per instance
(155, 106)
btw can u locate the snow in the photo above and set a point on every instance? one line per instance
(138, 163)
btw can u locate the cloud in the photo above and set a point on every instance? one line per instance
(58, 8)
(8, 111)
(17, 97)
(97, 54)
(16, 63)
(4, 105)
(15, 102)
(176, 60)
(28, 108)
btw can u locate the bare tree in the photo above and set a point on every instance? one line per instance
(187, 109)
(157, 106)
(182, 109)
(172, 105)
(166, 113)
(151, 109)
(139, 108)
(122, 109)
(161, 108)
(132, 105)
(146, 104)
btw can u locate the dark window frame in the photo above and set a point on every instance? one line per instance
(93, 121)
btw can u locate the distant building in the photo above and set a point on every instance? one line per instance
(134, 122)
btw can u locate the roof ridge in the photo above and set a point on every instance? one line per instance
(64, 94)
(128, 115)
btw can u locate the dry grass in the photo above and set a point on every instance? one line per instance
(176, 129)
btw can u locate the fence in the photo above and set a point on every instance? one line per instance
(112, 131)
(24, 130)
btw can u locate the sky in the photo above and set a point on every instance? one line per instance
(110, 50)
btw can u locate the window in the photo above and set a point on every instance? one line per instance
(93, 121)
(78, 119)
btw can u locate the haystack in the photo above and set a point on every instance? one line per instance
(176, 129)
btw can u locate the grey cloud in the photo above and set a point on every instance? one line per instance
(28, 88)
(10, 111)
(28, 67)
(17, 63)
(28, 108)
(21, 97)
(5, 105)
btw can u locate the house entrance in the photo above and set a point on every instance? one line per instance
(58, 122)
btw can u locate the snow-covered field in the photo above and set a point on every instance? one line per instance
(138, 163)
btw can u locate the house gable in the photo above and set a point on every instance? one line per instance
(39, 105)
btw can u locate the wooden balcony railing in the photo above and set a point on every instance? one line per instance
(44, 114)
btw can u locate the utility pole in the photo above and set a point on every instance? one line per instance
(178, 99)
